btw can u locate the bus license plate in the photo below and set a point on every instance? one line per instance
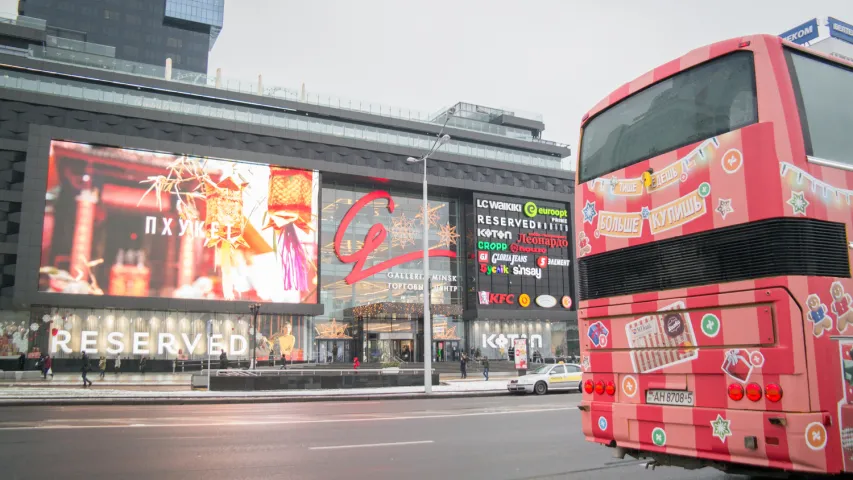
(679, 398)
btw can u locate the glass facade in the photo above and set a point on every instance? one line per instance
(140, 30)
(383, 308)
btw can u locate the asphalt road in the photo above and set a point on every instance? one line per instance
(477, 438)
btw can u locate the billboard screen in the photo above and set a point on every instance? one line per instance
(137, 223)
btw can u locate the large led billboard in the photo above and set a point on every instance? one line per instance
(137, 223)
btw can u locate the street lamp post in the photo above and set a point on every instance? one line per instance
(254, 308)
(441, 140)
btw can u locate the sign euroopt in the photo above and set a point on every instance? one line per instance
(802, 34)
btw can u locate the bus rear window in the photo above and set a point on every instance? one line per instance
(710, 99)
(825, 97)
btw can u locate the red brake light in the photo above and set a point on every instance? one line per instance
(753, 392)
(587, 386)
(773, 392)
(599, 387)
(743, 44)
(735, 391)
(610, 389)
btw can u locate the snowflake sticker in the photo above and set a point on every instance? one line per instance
(645, 212)
(589, 212)
(798, 202)
(721, 428)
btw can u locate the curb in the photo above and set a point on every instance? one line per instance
(69, 401)
(100, 384)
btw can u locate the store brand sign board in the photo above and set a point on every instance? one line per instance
(520, 239)
(802, 34)
(840, 30)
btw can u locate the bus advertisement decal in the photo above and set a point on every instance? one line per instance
(661, 340)
(618, 224)
(680, 211)
(662, 178)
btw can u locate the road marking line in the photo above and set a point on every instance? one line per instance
(287, 422)
(369, 445)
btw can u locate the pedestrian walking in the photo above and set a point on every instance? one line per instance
(223, 360)
(84, 370)
(47, 367)
(142, 364)
(117, 365)
(102, 366)
(22, 361)
(486, 368)
(463, 366)
(355, 363)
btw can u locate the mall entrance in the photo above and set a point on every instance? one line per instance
(394, 333)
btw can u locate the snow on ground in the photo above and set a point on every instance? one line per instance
(14, 393)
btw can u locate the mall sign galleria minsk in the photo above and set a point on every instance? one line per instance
(135, 207)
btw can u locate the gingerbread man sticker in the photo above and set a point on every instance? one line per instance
(818, 315)
(841, 306)
(583, 244)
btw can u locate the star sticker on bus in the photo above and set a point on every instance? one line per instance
(589, 212)
(644, 212)
(721, 428)
(798, 202)
(724, 207)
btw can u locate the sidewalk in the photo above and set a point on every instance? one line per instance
(151, 380)
(101, 394)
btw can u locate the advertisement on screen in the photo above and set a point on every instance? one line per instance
(520, 345)
(136, 223)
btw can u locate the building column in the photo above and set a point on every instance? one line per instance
(81, 245)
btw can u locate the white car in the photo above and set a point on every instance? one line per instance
(562, 376)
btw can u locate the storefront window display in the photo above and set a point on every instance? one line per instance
(372, 268)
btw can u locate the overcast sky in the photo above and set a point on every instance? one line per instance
(556, 57)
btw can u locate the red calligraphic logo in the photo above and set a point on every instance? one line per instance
(372, 240)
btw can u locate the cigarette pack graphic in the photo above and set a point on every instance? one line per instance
(661, 340)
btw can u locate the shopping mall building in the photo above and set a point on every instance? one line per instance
(138, 203)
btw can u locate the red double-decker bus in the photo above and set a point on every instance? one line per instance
(713, 204)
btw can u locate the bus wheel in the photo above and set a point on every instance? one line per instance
(541, 388)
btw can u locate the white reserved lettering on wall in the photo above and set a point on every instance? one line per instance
(166, 343)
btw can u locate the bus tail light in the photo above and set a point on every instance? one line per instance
(599, 387)
(735, 391)
(773, 392)
(753, 392)
(610, 388)
(588, 386)
(743, 44)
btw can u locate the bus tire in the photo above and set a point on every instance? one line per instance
(541, 388)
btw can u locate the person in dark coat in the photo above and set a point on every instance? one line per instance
(84, 371)
(22, 361)
(486, 368)
(223, 360)
(463, 365)
(142, 364)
